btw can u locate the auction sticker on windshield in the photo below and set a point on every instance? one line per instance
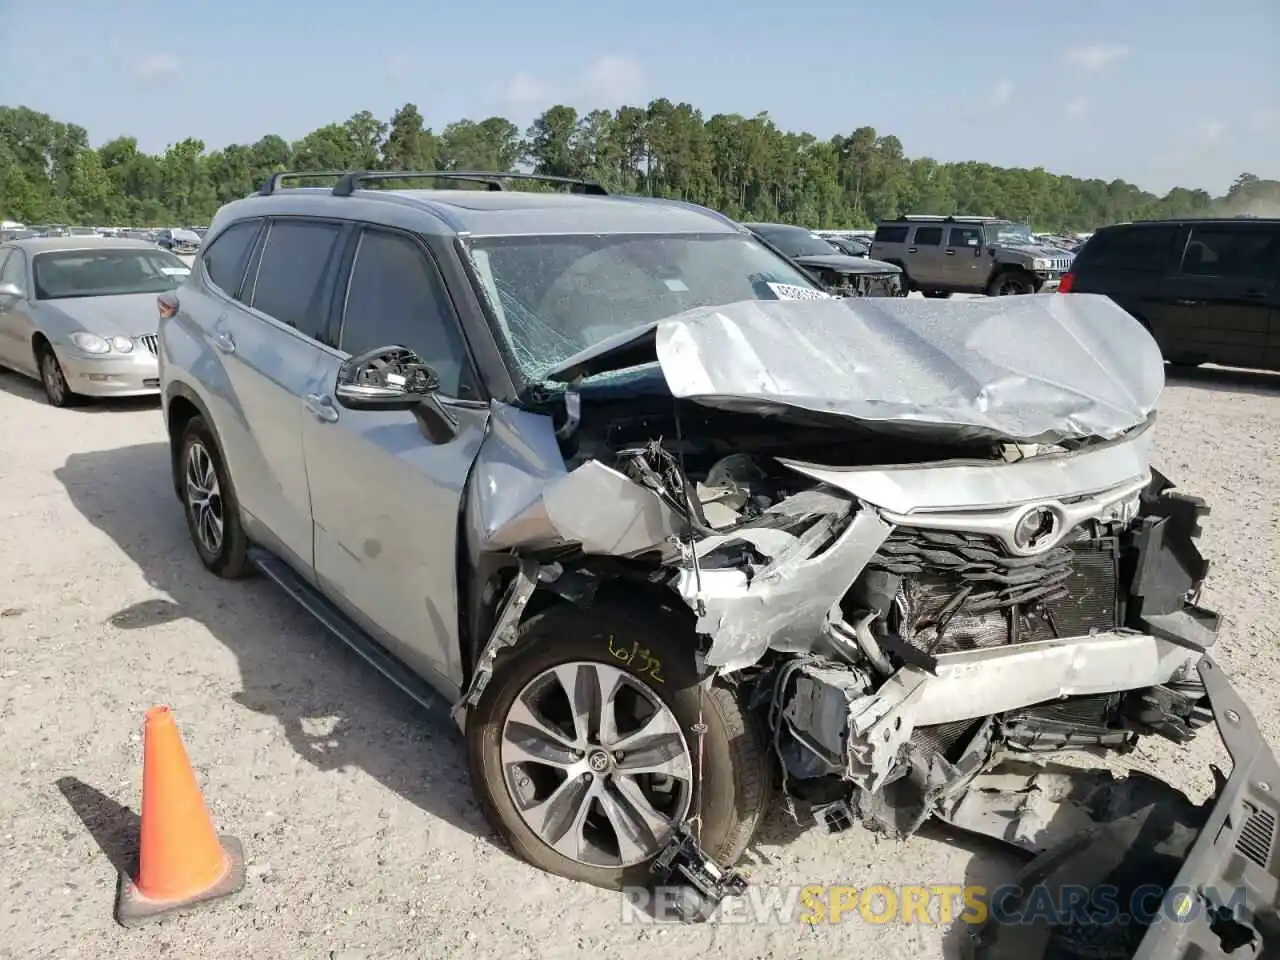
(176, 271)
(788, 291)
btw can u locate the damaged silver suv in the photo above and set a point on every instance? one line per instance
(676, 532)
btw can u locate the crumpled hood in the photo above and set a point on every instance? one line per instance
(843, 263)
(1042, 368)
(130, 315)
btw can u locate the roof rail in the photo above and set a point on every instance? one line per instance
(492, 179)
(273, 182)
(951, 218)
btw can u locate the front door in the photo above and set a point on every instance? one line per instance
(964, 258)
(15, 324)
(387, 502)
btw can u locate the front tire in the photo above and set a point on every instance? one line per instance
(210, 504)
(584, 748)
(1011, 283)
(56, 389)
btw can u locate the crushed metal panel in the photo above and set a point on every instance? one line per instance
(784, 605)
(522, 495)
(1032, 369)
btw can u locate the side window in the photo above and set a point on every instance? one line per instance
(1142, 249)
(889, 234)
(928, 236)
(1237, 253)
(13, 269)
(290, 282)
(225, 258)
(965, 237)
(396, 296)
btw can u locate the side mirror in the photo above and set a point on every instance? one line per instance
(11, 290)
(385, 378)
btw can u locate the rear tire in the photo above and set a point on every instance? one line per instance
(210, 504)
(652, 650)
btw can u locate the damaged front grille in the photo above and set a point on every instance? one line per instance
(959, 591)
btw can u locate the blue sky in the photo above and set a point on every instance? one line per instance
(1158, 92)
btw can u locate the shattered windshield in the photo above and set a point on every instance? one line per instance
(554, 296)
(1013, 233)
(798, 242)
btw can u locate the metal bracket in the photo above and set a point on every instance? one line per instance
(504, 635)
(684, 864)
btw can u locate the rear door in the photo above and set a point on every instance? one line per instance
(273, 351)
(963, 258)
(1219, 304)
(386, 501)
(925, 261)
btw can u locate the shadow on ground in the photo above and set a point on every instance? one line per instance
(335, 711)
(114, 827)
(1225, 379)
(16, 385)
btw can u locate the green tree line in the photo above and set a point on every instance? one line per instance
(744, 166)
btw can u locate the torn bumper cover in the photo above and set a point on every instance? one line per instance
(1153, 876)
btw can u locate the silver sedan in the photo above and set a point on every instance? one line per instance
(80, 315)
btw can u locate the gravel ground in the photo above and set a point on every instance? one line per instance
(355, 812)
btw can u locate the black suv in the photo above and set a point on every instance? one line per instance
(1208, 290)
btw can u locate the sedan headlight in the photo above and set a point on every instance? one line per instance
(90, 342)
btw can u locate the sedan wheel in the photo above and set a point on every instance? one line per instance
(596, 765)
(56, 389)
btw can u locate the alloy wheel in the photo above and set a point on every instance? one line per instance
(596, 764)
(204, 497)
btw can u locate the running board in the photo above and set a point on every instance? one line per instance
(341, 626)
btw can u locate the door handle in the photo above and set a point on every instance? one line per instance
(224, 342)
(1255, 294)
(321, 408)
(950, 253)
(912, 250)
(1183, 302)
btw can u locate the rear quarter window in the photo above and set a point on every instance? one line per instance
(1141, 249)
(889, 234)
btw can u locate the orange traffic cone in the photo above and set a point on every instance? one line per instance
(182, 862)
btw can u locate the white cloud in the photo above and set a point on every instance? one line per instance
(525, 90)
(1001, 93)
(1077, 108)
(1096, 56)
(1198, 142)
(156, 66)
(614, 80)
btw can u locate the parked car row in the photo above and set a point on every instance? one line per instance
(678, 535)
(179, 239)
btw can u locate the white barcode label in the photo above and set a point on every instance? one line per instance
(788, 291)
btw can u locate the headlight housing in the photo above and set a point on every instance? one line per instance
(90, 342)
(1039, 264)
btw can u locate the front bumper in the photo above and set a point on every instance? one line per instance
(1048, 280)
(135, 374)
(1164, 879)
